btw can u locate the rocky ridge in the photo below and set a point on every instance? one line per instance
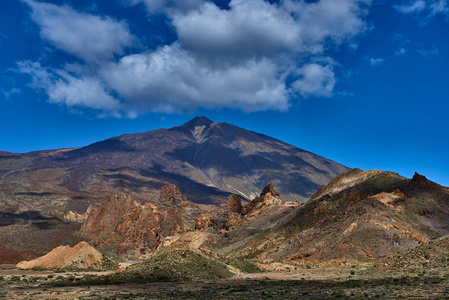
(358, 216)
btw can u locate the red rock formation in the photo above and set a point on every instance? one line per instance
(235, 203)
(225, 216)
(269, 196)
(136, 228)
(171, 194)
(420, 183)
(102, 222)
(232, 214)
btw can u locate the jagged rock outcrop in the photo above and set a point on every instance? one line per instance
(101, 223)
(420, 184)
(170, 193)
(138, 229)
(73, 216)
(224, 217)
(79, 257)
(268, 197)
(233, 214)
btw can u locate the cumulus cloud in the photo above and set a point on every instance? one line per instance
(89, 37)
(258, 28)
(315, 80)
(337, 20)
(65, 88)
(172, 80)
(248, 28)
(254, 55)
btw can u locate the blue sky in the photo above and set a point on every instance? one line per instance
(364, 83)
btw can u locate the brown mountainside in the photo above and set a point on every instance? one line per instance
(358, 215)
(206, 160)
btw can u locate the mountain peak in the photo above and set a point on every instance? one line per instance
(420, 182)
(198, 121)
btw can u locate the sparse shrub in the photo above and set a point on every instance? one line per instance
(106, 279)
(339, 294)
(138, 276)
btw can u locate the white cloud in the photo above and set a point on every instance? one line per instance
(172, 80)
(428, 52)
(315, 80)
(402, 45)
(438, 7)
(249, 28)
(258, 28)
(425, 8)
(375, 61)
(9, 93)
(252, 56)
(337, 20)
(400, 52)
(411, 7)
(70, 90)
(154, 6)
(91, 38)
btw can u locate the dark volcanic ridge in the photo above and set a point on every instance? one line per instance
(206, 160)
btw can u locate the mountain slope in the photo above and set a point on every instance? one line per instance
(358, 215)
(205, 159)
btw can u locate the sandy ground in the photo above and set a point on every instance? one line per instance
(243, 288)
(317, 283)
